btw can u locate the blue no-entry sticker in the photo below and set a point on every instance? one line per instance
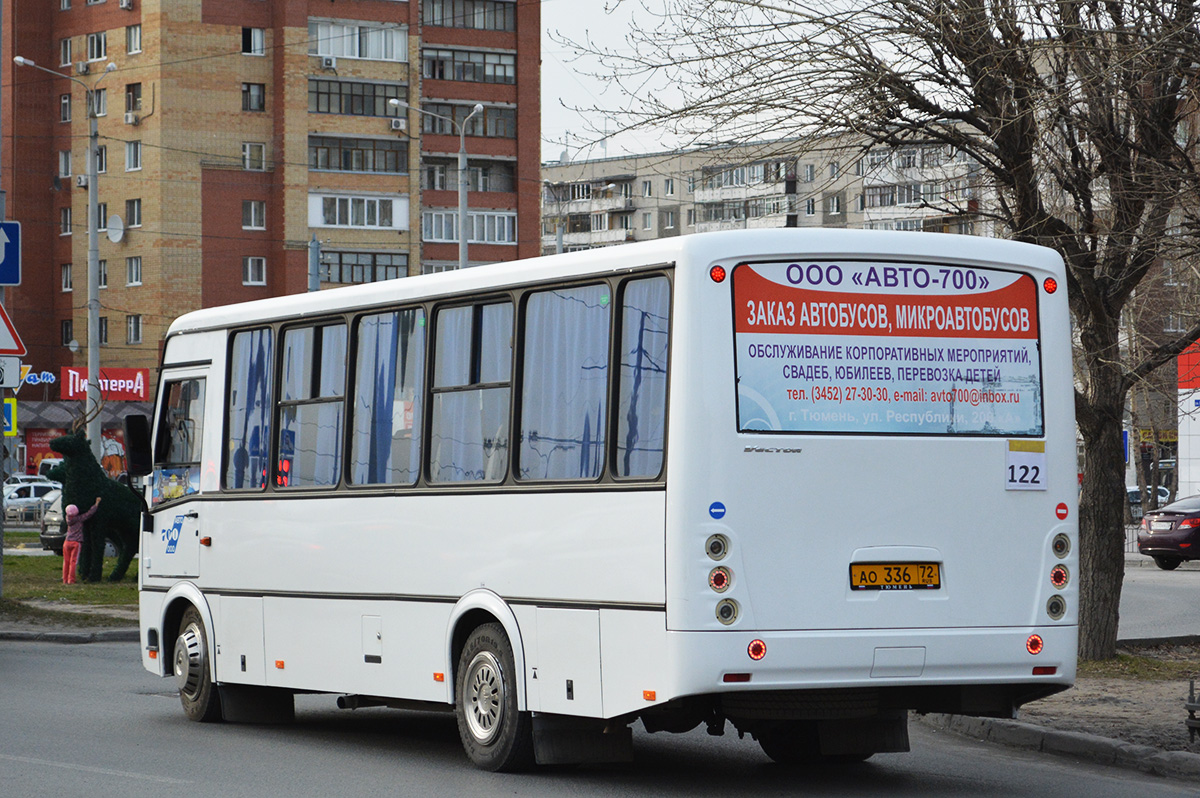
(716, 510)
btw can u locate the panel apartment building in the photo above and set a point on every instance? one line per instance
(233, 132)
(832, 181)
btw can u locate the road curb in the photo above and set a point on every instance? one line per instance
(1102, 750)
(98, 636)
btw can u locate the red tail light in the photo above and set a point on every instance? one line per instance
(1189, 523)
(1034, 644)
(757, 649)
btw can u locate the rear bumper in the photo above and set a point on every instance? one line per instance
(912, 666)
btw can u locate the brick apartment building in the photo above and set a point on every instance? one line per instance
(231, 132)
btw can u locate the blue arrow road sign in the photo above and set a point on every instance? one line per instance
(10, 264)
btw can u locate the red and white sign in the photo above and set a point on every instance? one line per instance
(1061, 511)
(10, 342)
(117, 385)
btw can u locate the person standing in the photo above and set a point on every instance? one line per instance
(74, 539)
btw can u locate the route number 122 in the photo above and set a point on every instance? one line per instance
(1025, 468)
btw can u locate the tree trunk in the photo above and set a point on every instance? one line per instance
(1101, 514)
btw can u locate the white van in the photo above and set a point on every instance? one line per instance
(46, 464)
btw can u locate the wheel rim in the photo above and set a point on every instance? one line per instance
(189, 661)
(484, 700)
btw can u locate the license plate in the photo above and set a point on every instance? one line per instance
(895, 576)
(1161, 526)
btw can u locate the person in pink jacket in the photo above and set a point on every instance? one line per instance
(74, 539)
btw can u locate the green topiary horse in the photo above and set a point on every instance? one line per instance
(116, 519)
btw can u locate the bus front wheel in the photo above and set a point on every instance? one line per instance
(193, 671)
(495, 735)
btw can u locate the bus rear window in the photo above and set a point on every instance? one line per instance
(886, 348)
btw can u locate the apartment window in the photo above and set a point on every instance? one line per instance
(669, 187)
(647, 188)
(810, 173)
(64, 163)
(646, 221)
(94, 2)
(97, 46)
(482, 228)
(880, 196)
(254, 156)
(377, 42)
(64, 5)
(254, 97)
(492, 122)
(68, 284)
(350, 211)
(100, 97)
(362, 267)
(834, 170)
(133, 39)
(477, 14)
(387, 156)
(133, 329)
(133, 156)
(133, 97)
(669, 220)
(102, 337)
(433, 177)
(691, 217)
(254, 214)
(102, 158)
(64, 221)
(133, 270)
(469, 66)
(254, 271)
(879, 157)
(354, 98)
(102, 216)
(907, 159)
(835, 205)
(254, 41)
(64, 52)
(64, 108)
(133, 212)
(103, 269)
(66, 332)
(810, 207)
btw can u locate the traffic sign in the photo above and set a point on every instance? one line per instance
(10, 342)
(11, 373)
(10, 260)
(10, 418)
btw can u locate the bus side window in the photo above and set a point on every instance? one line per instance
(177, 445)
(470, 394)
(564, 397)
(311, 410)
(248, 424)
(642, 394)
(385, 446)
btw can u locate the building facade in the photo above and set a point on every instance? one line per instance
(232, 133)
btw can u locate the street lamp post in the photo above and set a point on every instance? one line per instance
(462, 169)
(93, 258)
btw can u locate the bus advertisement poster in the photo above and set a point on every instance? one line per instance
(886, 348)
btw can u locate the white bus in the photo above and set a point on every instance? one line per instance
(794, 482)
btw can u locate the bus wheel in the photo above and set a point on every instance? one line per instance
(192, 670)
(494, 734)
(798, 743)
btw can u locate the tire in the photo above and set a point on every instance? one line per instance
(1168, 563)
(495, 735)
(193, 669)
(798, 743)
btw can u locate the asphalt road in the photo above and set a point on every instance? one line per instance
(1157, 603)
(87, 720)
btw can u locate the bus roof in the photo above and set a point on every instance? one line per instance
(825, 243)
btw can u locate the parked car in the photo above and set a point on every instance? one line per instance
(19, 498)
(1135, 499)
(54, 530)
(21, 479)
(1172, 534)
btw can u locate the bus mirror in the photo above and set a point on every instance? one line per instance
(137, 445)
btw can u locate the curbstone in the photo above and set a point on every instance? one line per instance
(73, 637)
(1102, 750)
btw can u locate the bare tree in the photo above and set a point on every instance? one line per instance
(1080, 114)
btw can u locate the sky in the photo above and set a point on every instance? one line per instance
(564, 81)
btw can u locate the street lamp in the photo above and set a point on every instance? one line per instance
(462, 169)
(93, 263)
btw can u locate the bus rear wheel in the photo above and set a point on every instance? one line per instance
(193, 670)
(495, 735)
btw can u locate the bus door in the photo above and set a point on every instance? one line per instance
(172, 544)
